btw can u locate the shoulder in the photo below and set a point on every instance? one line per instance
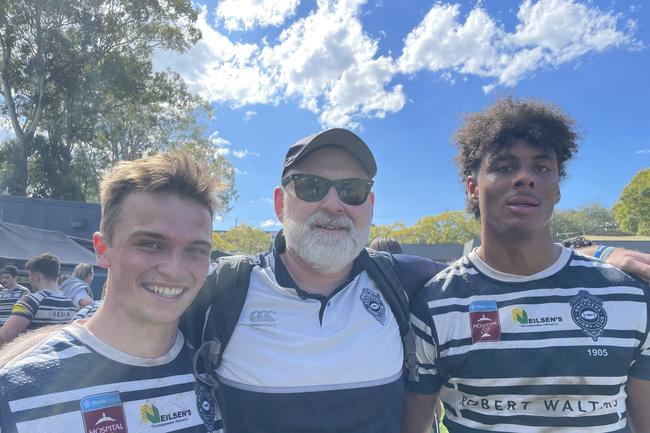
(417, 269)
(598, 273)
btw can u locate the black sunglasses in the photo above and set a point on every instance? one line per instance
(311, 188)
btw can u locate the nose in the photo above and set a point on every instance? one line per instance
(331, 202)
(524, 178)
(173, 265)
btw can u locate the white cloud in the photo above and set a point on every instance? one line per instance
(327, 63)
(246, 14)
(219, 69)
(324, 60)
(270, 223)
(216, 140)
(249, 115)
(240, 172)
(239, 154)
(643, 151)
(549, 33)
(266, 200)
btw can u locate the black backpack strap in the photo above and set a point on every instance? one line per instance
(227, 289)
(382, 270)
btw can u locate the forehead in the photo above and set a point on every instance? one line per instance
(330, 162)
(168, 214)
(521, 149)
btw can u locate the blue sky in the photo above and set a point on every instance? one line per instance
(400, 73)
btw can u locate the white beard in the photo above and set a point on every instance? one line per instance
(326, 252)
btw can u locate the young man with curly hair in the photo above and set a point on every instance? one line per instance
(523, 334)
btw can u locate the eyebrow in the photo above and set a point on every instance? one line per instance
(161, 237)
(510, 157)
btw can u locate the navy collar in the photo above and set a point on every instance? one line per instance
(284, 279)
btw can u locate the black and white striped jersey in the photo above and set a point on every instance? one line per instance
(550, 352)
(75, 383)
(45, 307)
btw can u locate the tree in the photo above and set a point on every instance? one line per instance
(632, 210)
(449, 227)
(78, 84)
(386, 230)
(593, 219)
(242, 239)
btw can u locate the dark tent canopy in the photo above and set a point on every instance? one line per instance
(20, 242)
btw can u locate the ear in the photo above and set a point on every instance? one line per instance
(372, 199)
(101, 250)
(471, 188)
(559, 196)
(278, 203)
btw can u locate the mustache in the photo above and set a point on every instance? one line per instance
(326, 220)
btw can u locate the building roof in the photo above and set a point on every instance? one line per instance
(18, 242)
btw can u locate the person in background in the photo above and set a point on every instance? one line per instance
(77, 286)
(47, 305)
(387, 244)
(11, 291)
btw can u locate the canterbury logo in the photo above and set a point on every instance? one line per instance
(265, 316)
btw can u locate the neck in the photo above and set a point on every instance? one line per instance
(130, 336)
(518, 255)
(309, 279)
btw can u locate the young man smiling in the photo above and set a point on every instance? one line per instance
(127, 368)
(523, 335)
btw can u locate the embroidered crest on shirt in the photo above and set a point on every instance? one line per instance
(588, 313)
(374, 305)
(206, 404)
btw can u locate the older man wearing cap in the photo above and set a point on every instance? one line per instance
(317, 347)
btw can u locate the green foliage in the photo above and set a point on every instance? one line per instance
(385, 231)
(242, 239)
(452, 227)
(588, 220)
(79, 90)
(632, 210)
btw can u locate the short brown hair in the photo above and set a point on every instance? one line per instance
(82, 271)
(508, 120)
(10, 269)
(46, 264)
(173, 172)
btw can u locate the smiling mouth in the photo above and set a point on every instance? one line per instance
(165, 292)
(330, 227)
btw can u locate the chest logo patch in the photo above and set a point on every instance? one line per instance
(484, 321)
(374, 305)
(205, 403)
(588, 313)
(103, 413)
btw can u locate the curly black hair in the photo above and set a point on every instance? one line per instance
(509, 120)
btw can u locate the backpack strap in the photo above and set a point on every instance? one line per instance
(227, 288)
(382, 270)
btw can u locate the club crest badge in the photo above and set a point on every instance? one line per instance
(206, 404)
(484, 321)
(374, 305)
(103, 413)
(588, 313)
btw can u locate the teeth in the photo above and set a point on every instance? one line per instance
(167, 292)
